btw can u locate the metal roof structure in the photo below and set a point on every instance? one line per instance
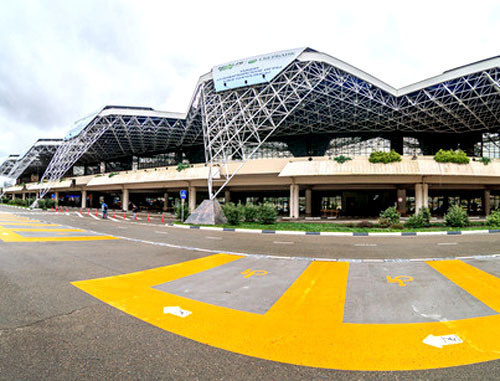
(7, 165)
(36, 157)
(118, 131)
(317, 93)
(313, 94)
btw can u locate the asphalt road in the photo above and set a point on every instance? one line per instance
(50, 329)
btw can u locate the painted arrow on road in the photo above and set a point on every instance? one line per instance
(440, 341)
(177, 311)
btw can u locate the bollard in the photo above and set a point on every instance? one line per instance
(124, 216)
(114, 214)
(162, 218)
(148, 217)
(96, 212)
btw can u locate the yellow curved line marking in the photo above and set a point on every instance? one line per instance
(304, 327)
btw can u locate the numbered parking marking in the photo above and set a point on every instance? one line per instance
(400, 280)
(249, 273)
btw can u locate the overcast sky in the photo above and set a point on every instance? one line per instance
(62, 60)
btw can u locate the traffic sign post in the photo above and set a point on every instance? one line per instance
(183, 199)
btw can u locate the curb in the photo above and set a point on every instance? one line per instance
(339, 234)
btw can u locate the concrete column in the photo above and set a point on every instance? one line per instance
(294, 201)
(421, 196)
(24, 196)
(84, 199)
(13, 196)
(297, 204)
(56, 197)
(418, 197)
(401, 201)
(486, 202)
(102, 167)
(425, 195)
(227, 196)
(165, 202)
(308, 202)
(192, 198)
(125, 200)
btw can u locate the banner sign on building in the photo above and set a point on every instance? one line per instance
(79, 125)
(253, 70)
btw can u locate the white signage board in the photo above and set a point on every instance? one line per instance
(253, 70)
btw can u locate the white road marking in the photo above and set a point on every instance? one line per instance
(216, 238)
(283, 242)
(121, 227)
(79, 214)
(159, 232)
(113, 219)
(365, 244)
(177, 311)
(440, 341)
(447, 244)
(94, 217)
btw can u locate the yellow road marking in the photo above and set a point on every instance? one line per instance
(478, 283)
(8, 234)
(400, 280)
(249, 273)
(50, 239)
(45, 230)
(304, 327)
(29, 224)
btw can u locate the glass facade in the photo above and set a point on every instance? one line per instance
(270, 150)
(355, 146)
(491, 146)
(160, 160)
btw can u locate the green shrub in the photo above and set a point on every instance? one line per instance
(456, 217)
(484, 160)
(182, 166)
(113, 174)
(233, 213)
(342, 159)
(384, 157)
(493, 219)
(178, 211)
(419, 220)
(251, 213)
(450, 156)
(42, 204)
(267, 213)
(389, 217)
(50, 203)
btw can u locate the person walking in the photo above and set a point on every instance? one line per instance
(135, 209)
(104, 207)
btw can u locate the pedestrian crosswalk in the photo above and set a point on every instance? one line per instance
(14, 228)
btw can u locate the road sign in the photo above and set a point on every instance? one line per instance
(183, 194)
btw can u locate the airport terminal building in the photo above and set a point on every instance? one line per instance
(272, 128)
